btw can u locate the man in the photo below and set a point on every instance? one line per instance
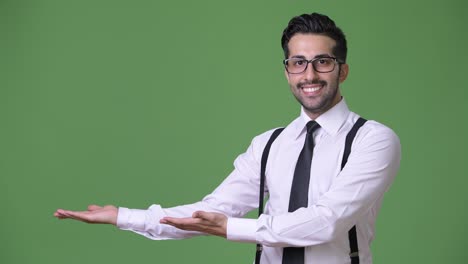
(334, 200)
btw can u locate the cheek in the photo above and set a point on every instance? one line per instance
(293, 80)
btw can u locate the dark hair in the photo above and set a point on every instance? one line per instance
(316, 24)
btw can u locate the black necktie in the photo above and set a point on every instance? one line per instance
(300, 190)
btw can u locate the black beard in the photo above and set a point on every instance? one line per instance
(326, 104)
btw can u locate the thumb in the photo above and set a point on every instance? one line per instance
(199, 214)
(204, 215)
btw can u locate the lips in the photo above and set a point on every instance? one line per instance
(311, 89)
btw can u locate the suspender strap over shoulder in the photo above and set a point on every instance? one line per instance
(264, 160)
(353, 243)
(265, 154)
(350, 138)
(352, 235)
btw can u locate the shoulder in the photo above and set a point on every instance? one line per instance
(257, 145)
(262, 139)
(373, 128)
(376, 135)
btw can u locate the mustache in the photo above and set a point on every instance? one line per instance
(321, 82)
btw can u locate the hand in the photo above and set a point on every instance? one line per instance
(94, 215)
(211, 223)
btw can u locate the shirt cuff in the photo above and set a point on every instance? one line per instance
(241, 230)
(131, 219)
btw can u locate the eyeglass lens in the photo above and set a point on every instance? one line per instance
(298, 65)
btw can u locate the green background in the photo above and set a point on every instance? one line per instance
(140, 102)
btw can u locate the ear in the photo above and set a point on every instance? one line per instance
(344, 70)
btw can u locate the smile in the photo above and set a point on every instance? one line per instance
(311, 89)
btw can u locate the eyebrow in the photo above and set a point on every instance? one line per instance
(316, 56)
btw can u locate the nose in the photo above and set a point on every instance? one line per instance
(310, 72)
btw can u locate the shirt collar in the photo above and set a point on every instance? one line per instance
(330, 121)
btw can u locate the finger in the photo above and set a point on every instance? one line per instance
(64, 215)
(176, 220)
(59, 213)
(203, 215)
(68, 212)
(61, 217)
(94, 207)
(207, 216)
(197, 214)
(183, 223)
(80, 216)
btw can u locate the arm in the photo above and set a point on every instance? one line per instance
(237, 195)
(370, 170)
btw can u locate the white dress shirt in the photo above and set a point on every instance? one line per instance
(338, 199)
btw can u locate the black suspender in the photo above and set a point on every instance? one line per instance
(266, 151)
(349, 140)
(353, 243)
(352, 235)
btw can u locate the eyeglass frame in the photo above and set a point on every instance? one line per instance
(311, 62)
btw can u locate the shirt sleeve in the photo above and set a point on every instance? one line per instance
(369, 172)
(234, 197)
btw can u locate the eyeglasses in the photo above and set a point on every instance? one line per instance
(321, 64)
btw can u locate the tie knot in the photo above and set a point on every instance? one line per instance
(312, 126)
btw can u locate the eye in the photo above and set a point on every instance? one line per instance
(299, 62)
(323, 61)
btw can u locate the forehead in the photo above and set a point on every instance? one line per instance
(310, 45)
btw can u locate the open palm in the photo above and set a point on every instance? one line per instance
(94, 215)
